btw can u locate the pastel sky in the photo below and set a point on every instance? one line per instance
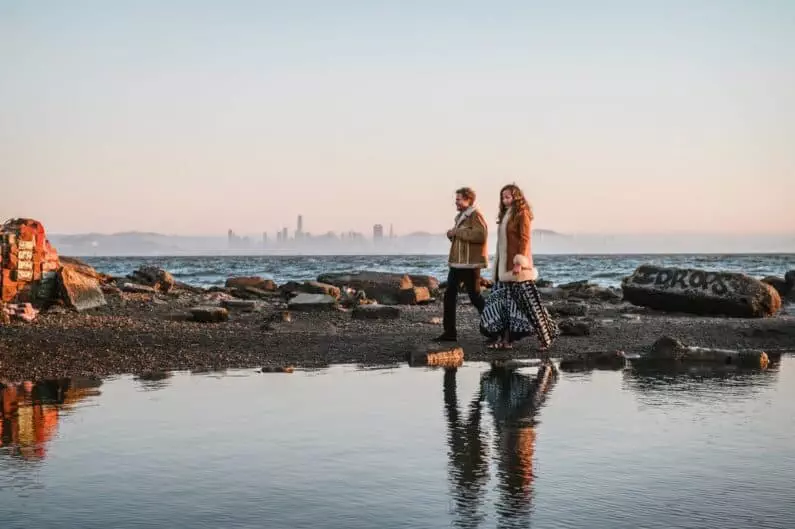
(191, 117)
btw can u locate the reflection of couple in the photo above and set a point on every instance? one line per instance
(513, 310)
(513, 399)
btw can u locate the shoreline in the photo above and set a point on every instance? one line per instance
(135, 334)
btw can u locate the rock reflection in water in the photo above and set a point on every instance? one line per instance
(153, 381)
(29, 413)
(514, 399)
(690, 383)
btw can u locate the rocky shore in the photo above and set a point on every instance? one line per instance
(149, 323)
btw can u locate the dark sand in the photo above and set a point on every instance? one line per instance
(134, 335)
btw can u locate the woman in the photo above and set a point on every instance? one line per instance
(514, 309)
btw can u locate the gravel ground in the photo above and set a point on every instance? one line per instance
(134, 335)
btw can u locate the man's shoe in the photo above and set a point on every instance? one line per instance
(446, 338)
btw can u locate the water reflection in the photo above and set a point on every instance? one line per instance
(513, 400)
(690, 383)
(29, 413)
(153, 381)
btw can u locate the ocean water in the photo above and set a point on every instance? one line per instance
(607, 270)
(398, 447)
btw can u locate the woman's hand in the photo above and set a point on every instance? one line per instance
(517, 269)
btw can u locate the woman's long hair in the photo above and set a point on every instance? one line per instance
(519, 202)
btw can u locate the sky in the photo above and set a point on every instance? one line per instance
(193, 117)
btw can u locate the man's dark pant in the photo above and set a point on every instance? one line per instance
(470, 277)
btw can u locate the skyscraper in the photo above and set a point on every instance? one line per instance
(378, 232)
(299, 231)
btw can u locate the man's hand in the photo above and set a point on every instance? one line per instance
(517, 269)
(450, 234)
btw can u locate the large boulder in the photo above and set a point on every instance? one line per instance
(259, 283)
(292, 288)
(700, 292)
(429, 282)
(154, 277)
(384, 287)
(80, 290)
(414, 296)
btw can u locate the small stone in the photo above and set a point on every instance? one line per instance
(630, 317)
(310, 302)
(209, 314)
(574, 328)
(668, 347)
(132, 288)
(375, 312)
(568, 309)
(436, 320)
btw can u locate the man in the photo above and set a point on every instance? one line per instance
(467, 257)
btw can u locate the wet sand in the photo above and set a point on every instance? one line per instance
(134, 335)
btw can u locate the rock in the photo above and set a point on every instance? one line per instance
(375, 312)
(79, 291)
(436, 320)
(671, 349)
(630, 317)
(426, 281)
(154, 277)
(253, 293)
(310, 302)
(178, 285)
(700, 292)
(553, 293)
(784, 286)
(574, 328)
(244, 305)
(586, 290)
(436, 357)
(310, 287)
(132, 288)
(179, 316)
(209, 314)
(414, 296)
(259, 283)
(543, 283)
(575, 285)
(19, 311)
(277, 369)
(384, 287)
(667, 347)
(568, 309)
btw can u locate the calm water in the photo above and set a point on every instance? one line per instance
(399, 447)
(607, 270)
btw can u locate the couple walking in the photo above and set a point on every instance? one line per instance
(513, 309)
